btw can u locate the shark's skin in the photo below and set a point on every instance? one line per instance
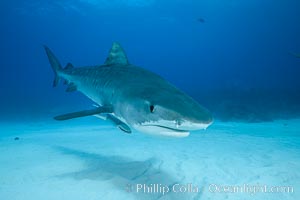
(136, 97)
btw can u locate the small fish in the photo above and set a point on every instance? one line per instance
(297, 55)
(201, 20)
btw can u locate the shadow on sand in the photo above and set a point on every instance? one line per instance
(125, 174)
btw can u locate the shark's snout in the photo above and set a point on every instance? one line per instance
(192, 116)
(176, 118)
(204, 120)
(194, 125)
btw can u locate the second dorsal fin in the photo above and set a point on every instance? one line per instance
(116, 56)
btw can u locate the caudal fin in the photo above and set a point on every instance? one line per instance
(56, 66)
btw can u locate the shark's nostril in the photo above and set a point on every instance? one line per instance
(178, 122)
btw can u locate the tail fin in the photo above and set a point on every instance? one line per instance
(56, 66)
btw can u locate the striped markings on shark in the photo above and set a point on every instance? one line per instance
(131, 97)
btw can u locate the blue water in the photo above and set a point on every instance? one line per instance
(236, 52)
(239, 59)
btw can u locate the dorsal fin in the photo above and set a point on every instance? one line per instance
(116, 56)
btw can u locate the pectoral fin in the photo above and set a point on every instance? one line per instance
(84, 113)
(121, 125)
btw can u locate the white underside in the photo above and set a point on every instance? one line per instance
(161, 131)
(170, 128)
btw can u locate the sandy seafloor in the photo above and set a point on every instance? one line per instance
(88, 159)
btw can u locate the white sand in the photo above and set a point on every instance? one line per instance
(87, 159)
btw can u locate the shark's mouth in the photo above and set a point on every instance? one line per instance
(166, 127)
(170, 128)
(161, 130)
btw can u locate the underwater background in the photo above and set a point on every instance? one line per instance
(239, 59)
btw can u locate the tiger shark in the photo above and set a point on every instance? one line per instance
(131, 97)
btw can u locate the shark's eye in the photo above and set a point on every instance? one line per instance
(151, 108)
